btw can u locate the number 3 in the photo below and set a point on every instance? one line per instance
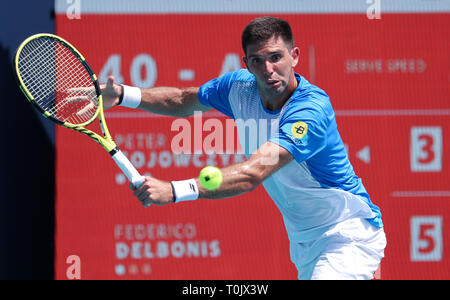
(426, 149)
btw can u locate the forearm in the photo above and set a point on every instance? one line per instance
(237, 179)
(170, 101)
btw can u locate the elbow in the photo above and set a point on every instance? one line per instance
(252, 182)
(182, 104)
(177, 108)
(181, 114)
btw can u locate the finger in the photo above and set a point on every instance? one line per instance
(141, 187)
(81, 90)
(137, 193)
(77, 99)
(141, 194)
(110, 82)
(86, 111)
(144, 197)
(146, 203)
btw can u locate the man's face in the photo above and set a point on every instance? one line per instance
(272, 63)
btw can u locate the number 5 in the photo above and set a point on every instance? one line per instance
(426, 238)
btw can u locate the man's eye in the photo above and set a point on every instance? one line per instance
(275, 57)
(256, 60)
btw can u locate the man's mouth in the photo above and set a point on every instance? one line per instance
(272, 82)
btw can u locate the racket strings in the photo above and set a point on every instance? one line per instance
(50, 106)
(43, 90)
(58, 81)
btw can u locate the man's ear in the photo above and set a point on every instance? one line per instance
(244, 59)
(295, 53)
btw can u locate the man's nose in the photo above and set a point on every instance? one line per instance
(268, 67)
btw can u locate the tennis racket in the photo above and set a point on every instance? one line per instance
(58, 81)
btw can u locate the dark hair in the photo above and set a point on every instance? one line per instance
(262, 29)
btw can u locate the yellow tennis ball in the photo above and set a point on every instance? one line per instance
(211, 178)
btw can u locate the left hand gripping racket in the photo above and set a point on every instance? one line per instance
(57, 80)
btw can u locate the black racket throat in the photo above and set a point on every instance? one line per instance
(114, 151)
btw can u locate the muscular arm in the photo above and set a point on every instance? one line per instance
(246, 176)
(168, 101)
(237, 179)
(172, 101)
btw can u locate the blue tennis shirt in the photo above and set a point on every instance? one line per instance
(317, 189)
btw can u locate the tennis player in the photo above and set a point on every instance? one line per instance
(335, 230)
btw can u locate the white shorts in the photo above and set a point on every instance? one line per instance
(351, 249)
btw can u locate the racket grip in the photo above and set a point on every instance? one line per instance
(129, 170)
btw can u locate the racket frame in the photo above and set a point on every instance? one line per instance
(106, 141)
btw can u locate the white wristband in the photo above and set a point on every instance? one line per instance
(185, 190)
(131, 96)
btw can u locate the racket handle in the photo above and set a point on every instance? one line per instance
(129, 170)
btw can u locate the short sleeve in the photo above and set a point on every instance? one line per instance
(215, 93)
(302, 131)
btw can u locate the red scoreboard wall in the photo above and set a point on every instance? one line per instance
(388, 79)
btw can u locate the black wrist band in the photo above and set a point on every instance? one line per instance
(121, 95)
(173, 192)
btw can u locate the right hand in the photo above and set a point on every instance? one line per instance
(154, 191)
(110, 92)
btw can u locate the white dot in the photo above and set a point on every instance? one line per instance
(120, 178)
(120, 270)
